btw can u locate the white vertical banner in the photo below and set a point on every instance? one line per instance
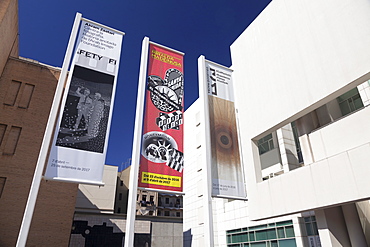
(226, 166)
(80, 140)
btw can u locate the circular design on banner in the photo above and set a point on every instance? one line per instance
(156, 146)
(166, 95)
(173, 75)
(224, 139)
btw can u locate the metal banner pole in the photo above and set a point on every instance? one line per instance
(136, 147)
(206, 157)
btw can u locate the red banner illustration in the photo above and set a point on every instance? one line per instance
(162, 159)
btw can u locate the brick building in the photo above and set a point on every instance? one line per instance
(26, 93)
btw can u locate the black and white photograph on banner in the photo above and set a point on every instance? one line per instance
(86, 111)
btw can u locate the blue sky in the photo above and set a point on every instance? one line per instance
(202, 27)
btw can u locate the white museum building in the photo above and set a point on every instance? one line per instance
(301, 76)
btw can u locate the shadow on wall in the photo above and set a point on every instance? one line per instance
(103, 235)
(188, 238)
(363, 209)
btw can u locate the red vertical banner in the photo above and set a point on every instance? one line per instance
(162, 158)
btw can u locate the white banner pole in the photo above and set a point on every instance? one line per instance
(136, 146)
(206, 158)
(48, 136)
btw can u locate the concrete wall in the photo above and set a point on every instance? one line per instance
(166, 233)
(300, 55)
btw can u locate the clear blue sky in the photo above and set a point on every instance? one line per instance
(195, 27)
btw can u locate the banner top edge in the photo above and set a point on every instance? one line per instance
(217, 64)
(168, 48)
(102, 25)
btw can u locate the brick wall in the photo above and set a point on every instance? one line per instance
(26, 93)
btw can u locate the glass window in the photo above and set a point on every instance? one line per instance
(287, 243)
(265, 144)
(262, 244)
(289, 231)
(261, 235)
(266, 235)
(350, 101)
(281, 233)
(228, 239)
(311, 226)
(271, 234)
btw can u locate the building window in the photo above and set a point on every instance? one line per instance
(25, 100)
(178, 214)
(159, 213)
(279, 234)
(120, 196)
(150, 212)
(311, 226)
(2, 184)
(151, 199)
(2, 132)
(167, 200)
(166, 213)
(265, 144)
(297, 143)
(350, 101)
(143, 198)
(119, 210)
(121, 183)
(12, 140)
(12, 93)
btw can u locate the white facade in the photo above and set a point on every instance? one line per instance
(98, 199)
(293, 67)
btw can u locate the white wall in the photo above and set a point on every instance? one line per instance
(91, 198)
(227, 214)
(295, 57)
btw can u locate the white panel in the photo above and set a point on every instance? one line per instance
(342, 178)
(360, 160)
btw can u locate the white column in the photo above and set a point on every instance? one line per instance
(364, 90)
(206, 157)
(288, 151)
(355, 232)
(136, 147)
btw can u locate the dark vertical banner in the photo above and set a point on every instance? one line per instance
(226, 166)
(80, 141)
(162, 158)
